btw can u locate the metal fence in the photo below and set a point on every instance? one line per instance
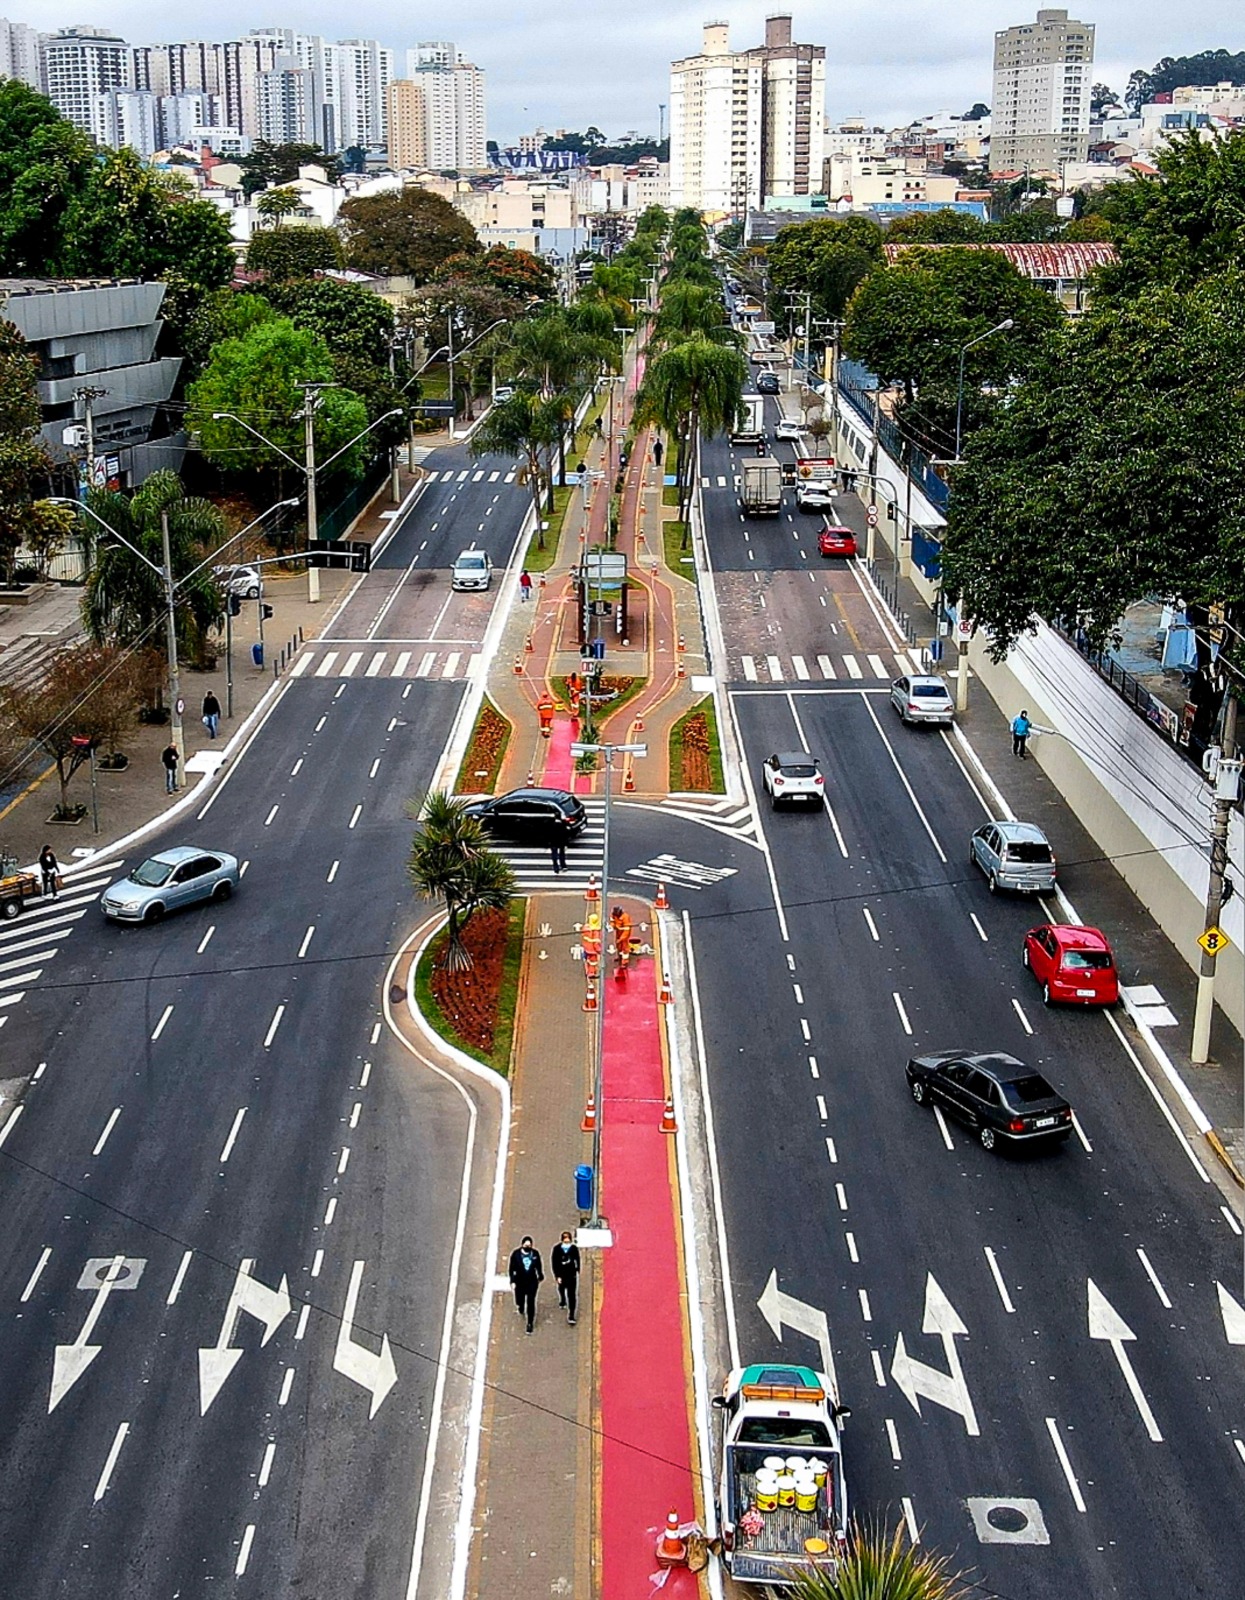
(337, 517)
(858, 386)
(1130, 689)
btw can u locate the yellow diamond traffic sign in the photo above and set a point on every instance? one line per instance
(1214, 940)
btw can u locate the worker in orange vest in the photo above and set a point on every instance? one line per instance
(590, 938)
(620, 926)
(545, 708)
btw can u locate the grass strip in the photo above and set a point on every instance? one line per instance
(538, 560)
(678, 782)
(676, 545)
(507, 999)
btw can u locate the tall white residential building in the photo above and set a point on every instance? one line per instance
(454, 105)
(1043, 75)
(228, 69)
(126, 118)
(80, 64)
(311, 53)
(19, 53)
(289, 105)
(363, 71)
(745, 125)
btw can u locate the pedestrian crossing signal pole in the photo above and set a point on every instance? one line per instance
(609, 751)
(1225, 776)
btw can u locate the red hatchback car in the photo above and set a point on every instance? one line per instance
(1072, 963)
(835, 541)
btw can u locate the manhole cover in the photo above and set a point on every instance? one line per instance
(1010, 1519)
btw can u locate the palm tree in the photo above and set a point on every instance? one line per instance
(693, 387)
(450, 861)
(688, 309)
(124, 600)
(274, 205)
(521, 428)
(880, 1568)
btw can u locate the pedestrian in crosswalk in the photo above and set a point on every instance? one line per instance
(49, 868)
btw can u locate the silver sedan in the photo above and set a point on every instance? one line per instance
(170, 880)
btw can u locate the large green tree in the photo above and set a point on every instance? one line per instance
(24, 461)
(271, 164)
(692, 388)
(523, 428)
(827, 258)
(44, 165)
(282, 254)
(910, 322)
(256, 377)
(1208, 67)
(1116, 471)
(1183, 224)
(409, 232)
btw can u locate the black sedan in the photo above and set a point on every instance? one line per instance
(532, 816)
(767, 383)
(1002, 1100)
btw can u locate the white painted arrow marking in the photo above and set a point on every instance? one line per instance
(376, 1373)
(1106, 1323)
(70, 1361)
(779, 1309)
(916, 1378)
(269, 1306)
(1233, 1314)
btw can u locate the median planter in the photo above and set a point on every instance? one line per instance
(475, 1010)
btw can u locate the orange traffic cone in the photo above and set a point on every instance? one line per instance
(669, 1125)
(529, 645)
(629, 782)
(664, 997)
(590, 997)
(592, 893)
(661, 903)
(638, 725)
(589, 1124)
(671, 1550)
(518, 666)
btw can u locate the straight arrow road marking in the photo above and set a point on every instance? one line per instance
(376, 1373)
(781, 1309)
(1106, 1323)
(70, 1361)
(916, 1378)
(269, 1306)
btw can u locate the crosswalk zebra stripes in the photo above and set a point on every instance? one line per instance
(319, 662)
(774, 669)
(30, 941)
(461, 475)
(532, 865)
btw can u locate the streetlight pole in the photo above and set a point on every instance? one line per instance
(311, 399)
(1008, 322)
(170, 628)
(609, 751)
(88, 395)
(1227, 782)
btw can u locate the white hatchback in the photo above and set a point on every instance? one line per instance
(792, 778)
(787, 429)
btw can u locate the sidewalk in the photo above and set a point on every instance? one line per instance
(588, 1442)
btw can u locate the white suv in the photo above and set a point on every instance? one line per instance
(793, 777)
(471, 570)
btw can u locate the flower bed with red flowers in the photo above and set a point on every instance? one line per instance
(485, 752)
(475, 1008)
(695, 754)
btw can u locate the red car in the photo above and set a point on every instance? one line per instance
(835, 541)
(1072, 963)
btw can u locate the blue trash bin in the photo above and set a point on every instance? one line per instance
(598, 649)
(583, 1188)
(257, 654)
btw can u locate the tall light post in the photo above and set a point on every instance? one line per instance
(1008, 322)
(308, 466)
(609, 751)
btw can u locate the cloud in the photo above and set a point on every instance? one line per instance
(605, 62)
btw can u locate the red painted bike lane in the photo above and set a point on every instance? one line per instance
(645, 1378)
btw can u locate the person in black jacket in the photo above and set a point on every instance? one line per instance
(564, 1260)
(526, 1276)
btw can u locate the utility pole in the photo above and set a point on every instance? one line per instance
(88, 396)
(1226, 777)
(449, 323)
(311, 401)
(170, 623)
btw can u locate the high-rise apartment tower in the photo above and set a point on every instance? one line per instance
(1043, 74)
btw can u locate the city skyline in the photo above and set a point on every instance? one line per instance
(912, 58)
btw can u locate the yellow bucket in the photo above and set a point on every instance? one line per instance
(815, 1548)
(819, 1473)
(767, 1491)
(774, 1464)
(786, 1490)
(805, 1495)
(796, 1466)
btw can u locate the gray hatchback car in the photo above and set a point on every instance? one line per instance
(1014, 855)
(170, 880)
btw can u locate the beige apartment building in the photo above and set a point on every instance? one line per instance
(1043, 75)
(408, 125)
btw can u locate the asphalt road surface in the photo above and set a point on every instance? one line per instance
(1032, 1345)
(220, 1090)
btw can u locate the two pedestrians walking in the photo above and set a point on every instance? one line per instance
(527, 1274)
(211, 714)
(1020, 734)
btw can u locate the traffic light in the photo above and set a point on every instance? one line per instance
(235, 604)
(265, 610)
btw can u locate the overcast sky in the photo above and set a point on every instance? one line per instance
(602, 61)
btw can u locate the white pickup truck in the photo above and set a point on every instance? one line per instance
(781, 1422)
